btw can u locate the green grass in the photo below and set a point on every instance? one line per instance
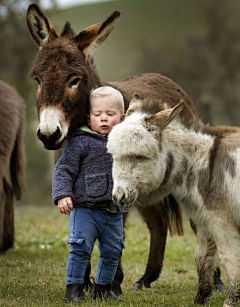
(33, 272)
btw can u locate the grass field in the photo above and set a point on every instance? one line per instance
(33, 273)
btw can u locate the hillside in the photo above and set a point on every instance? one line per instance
(142, 22)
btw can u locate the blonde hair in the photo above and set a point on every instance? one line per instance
(108, 91)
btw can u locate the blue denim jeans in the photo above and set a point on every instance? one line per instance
(86, 225)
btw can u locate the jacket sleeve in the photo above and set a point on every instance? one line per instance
(66, 170)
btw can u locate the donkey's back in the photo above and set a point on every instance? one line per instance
(160, 88)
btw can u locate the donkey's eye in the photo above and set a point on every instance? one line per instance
(74, 83)
(139, 157)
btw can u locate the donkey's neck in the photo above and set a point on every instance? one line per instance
(183, 155)
(184, 150)
(95, 80)
(188, 144)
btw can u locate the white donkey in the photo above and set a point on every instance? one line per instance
(154, 155)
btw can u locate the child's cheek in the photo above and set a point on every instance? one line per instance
(114, 121)
(93, 123)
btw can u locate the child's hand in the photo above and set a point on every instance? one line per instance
(65, 205)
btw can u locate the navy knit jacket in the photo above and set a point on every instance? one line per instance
(84, 170)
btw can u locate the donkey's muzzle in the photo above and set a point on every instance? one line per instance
(119, 199)
(124, 198)
(50, 140)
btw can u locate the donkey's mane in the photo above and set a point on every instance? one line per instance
(68, 31)
(151, 106)
(219, 131)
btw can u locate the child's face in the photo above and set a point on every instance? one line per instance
(105, 112)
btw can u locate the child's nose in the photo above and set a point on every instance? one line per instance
(104, 116)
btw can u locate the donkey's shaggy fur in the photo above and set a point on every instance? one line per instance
(11, 152)
(156, 155)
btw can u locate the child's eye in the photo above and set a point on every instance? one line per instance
(110, 114)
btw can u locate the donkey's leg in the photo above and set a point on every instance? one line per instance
(87, 282)
(206, 261)
(118, 278)
(218, 284)
(2, 214)
(8, 236)
(6, 144)
(157, 221)
(228, 244)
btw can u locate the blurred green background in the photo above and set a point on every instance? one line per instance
(196, 43)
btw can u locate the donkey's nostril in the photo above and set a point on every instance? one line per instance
(122, 199)
(119, 196)
(39, 134)
(56, 135)
(122, 196)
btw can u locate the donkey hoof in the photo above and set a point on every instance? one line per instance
(138, 286)
(116, 287)
(199, 300)
(219, 287)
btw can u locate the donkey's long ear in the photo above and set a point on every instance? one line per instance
(163, 118)
(135, 104)
(40, 29)
(92, 37)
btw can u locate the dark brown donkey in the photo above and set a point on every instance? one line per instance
(65, 75)
(12, 116)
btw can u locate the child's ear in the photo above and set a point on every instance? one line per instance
(122, 117)
(88, 120)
